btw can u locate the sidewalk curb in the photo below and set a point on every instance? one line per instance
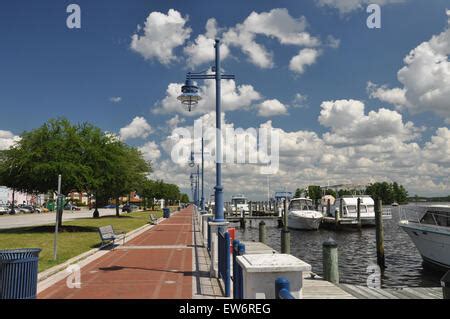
(46, 274)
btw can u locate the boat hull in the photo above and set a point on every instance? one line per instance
(432, 242)
(303, 223)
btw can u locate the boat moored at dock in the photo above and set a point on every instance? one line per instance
(347, 209)
(302, 215)
(429, 229)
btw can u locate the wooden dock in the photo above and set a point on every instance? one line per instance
(317, 288)
(362, 292)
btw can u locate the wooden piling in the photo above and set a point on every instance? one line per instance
(379, 233)
(358, 212)
(330, 261)
(250, 208)
(328, 208)
(337, 213)
(285, 234)
(262, 232)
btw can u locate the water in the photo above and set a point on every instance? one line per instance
(357, 250)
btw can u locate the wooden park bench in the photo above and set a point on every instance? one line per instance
(109, 236)
(153, 219)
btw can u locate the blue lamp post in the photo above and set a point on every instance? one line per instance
(190, 97)
(192, 164)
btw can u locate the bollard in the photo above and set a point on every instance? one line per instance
(358, 212)
(379, 233)
(262, 232)
(282, 288)
(330, 261)
(445, 283)
(242, 223)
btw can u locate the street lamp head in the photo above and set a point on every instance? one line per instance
(189, 95)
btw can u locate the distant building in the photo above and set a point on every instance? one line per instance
(6, 197)
(81, 197)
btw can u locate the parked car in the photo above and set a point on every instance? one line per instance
(110, 206)
(71, 207)
(129, 208)
(4, 209)
(26, 209)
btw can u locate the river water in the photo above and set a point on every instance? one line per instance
(357, 250)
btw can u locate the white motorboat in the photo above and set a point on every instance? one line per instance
(348, 205)
(429, 229)
(302, 215)
(239, 203)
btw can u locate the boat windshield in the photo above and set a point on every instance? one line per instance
(440, 218)
(301, 204)
(239, 201)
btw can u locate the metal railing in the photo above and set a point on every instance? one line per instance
(238, 286)
(282, 290)
(224, 259)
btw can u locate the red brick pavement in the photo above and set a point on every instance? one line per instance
(156, 273)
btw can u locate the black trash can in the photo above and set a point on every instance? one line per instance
(18, 273)
(166, 212)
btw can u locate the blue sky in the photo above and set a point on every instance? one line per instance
(48, 70)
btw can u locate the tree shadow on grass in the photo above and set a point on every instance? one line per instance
(50, 229)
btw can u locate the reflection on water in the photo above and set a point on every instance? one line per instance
(357, 250)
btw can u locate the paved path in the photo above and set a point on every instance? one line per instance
(24, 220)
(157, 264)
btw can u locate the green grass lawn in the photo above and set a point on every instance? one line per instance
(75, 237)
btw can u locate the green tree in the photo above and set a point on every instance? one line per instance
(184, 198)
(87, 158)
(314, 192)
(330, 192)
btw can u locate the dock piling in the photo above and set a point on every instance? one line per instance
(337, 213)
(379, 233)
(358, 212)
(330, 261)
(262, 232)
(285, 234)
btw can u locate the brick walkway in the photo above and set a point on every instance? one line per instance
(158, 264)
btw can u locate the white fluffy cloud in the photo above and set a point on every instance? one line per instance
(150, 151)
(304, 58)
(272, 108)
(175, 121)
(309, 158)
(233, 97)
(277, 24)
(425, 78)
(7, 139)
(394, 96)
(346, 6)
(202, 49)
(162, 33)
(438, 149)
(138, 128)
(349, 124)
